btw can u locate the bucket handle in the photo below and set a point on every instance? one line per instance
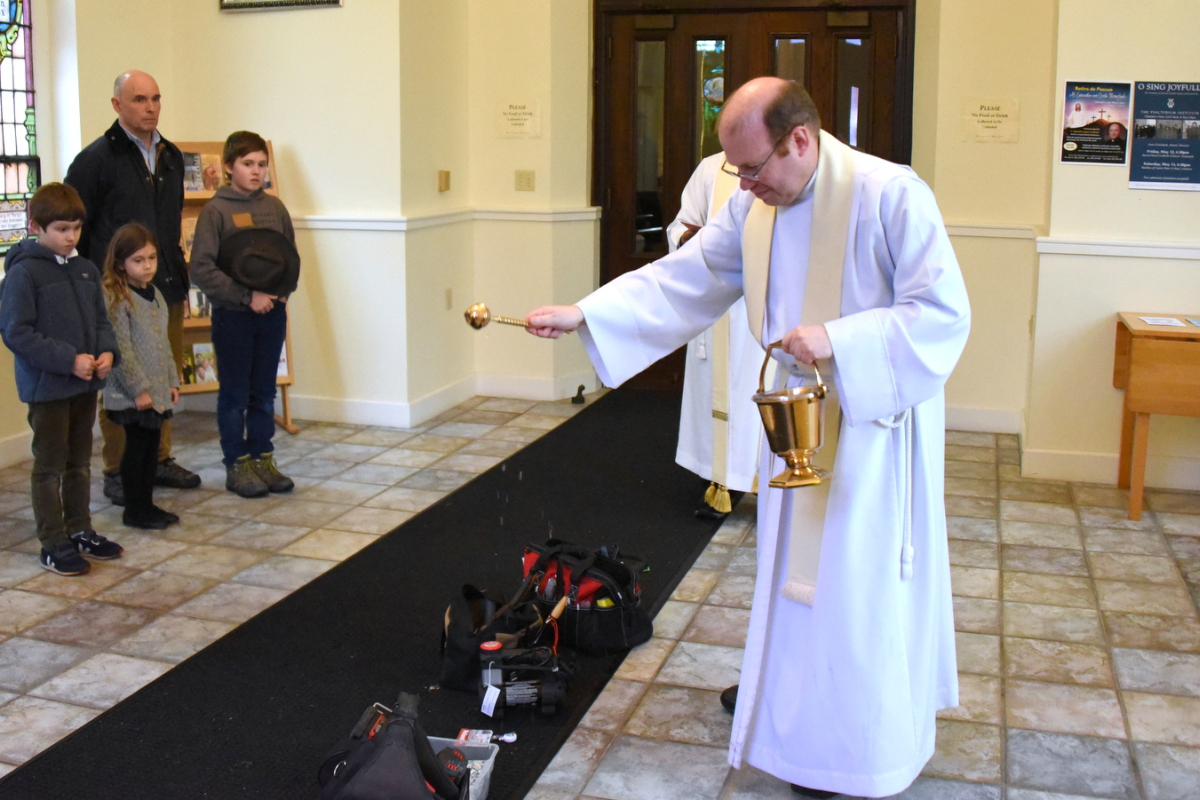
(762, 374)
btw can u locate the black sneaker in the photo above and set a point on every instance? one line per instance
(169, 473)
(64, 559)
(170, 517)
(114, 490)
(147, 520)
(90, 543)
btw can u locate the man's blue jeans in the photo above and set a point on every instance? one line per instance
(247, 346)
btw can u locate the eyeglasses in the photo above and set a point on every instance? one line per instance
(753, 176)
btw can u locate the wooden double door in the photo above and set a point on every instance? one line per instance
(663, 76)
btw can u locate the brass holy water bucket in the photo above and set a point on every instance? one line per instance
(794, 420)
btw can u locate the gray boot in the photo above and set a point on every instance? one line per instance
(242, 479)
(268, 470)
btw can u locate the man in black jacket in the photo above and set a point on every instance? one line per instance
(133, 174)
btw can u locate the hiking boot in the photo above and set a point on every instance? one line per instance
(64, 559)
(114, 490)
(242, 479)
(147, 520)
(169, 473)
(90, 543)
(268, 470)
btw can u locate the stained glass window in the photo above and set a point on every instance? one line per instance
(18, 138)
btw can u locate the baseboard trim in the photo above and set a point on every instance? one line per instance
(535, 389)
(377, 412)
(983, 420)
(1162, 472)
(16, 448)
(406, 415)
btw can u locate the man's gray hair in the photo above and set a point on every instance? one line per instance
(119, 83)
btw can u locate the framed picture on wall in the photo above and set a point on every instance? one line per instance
(258, 5)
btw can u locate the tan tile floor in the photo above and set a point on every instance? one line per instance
(1079, 639)
(1078, 648)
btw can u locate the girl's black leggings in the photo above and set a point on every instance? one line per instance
(138, 465)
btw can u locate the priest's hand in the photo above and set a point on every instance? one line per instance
(807, 343)
(551, 322)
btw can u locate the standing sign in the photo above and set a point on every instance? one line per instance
(1166, 141)
(1095, 123)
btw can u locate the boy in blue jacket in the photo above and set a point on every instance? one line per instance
(53, 318)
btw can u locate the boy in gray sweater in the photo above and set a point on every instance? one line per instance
(248, 324)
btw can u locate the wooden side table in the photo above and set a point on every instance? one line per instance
(1158, 366)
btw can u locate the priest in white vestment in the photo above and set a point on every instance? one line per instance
(844, 258)
(719, 427)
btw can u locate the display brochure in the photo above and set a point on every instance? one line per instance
(1162, 321)
(192, 180)
(211, 172)
(205, 362)
(1166, 140)
(198, 304)
(282, 371)
(187, 235)
(188, 371)
(1095, 123)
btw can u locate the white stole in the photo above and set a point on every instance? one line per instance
(718, 355)
(833, 201)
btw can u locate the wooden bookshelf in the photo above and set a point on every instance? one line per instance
(199, 187)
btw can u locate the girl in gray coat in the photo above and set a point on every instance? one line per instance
(144, 388)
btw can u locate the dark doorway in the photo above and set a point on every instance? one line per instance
(663, 70)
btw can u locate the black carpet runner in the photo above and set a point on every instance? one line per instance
(253, 714)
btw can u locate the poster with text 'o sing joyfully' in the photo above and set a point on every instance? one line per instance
(1166, 136)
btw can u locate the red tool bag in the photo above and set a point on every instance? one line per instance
(603, 612)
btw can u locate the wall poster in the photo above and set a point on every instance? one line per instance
(1166, 140)
(1095, 123)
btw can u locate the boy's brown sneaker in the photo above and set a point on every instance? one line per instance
(268, 470)
(242, 479)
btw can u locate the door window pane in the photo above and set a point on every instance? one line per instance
(710, 80)
(854, 100)
(650, 126)
(791, 59)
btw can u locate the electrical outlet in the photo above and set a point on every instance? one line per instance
(524, 180)
(449, 299)
(443, 180)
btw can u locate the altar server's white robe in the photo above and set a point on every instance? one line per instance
(840, 695)
(696, 434)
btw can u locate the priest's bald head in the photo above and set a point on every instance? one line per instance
(768, 129)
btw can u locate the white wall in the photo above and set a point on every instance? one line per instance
(1086, 274)
(993, 196)
(533, 247)
(365, 103)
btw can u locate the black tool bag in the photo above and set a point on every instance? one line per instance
(603, 611)
(388, 757)
(475, 616)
